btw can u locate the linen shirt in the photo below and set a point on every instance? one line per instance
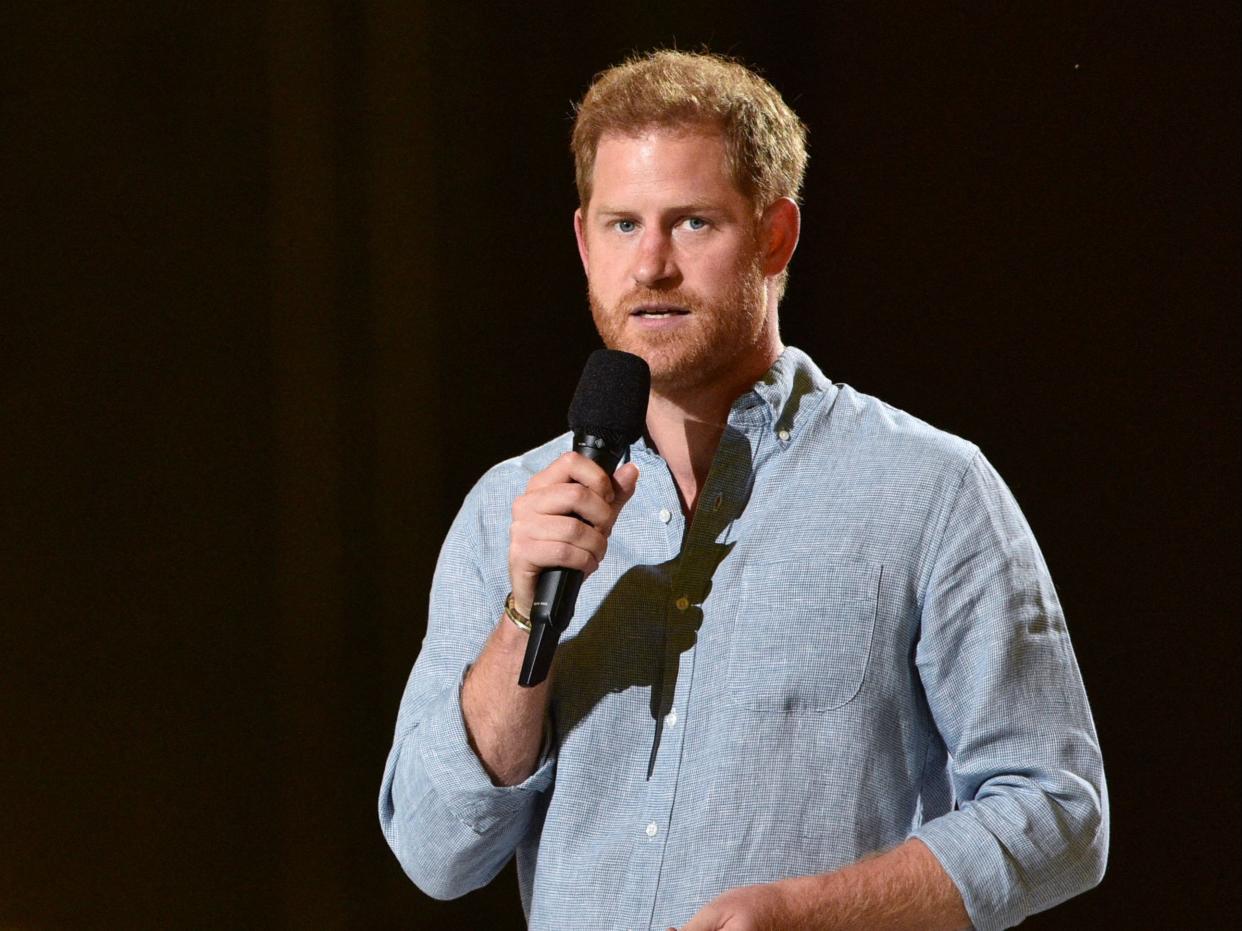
(854, 641)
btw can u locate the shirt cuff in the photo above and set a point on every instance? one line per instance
(969, 854)
(458, 776)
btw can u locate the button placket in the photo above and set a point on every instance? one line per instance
(637, 900)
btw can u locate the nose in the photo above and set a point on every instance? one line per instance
(656, 265)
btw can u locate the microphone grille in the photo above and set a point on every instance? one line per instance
(611, 400)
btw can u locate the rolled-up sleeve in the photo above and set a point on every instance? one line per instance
(449, 826)
(1030, 827)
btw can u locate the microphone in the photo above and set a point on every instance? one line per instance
(608, 413)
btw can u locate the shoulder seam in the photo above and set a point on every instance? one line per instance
(944, 526)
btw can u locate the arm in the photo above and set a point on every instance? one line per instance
(504, 720)
(464, 775)
(1030, 828)
(904, 889)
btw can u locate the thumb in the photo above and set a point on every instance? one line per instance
(626, 480)
(703, 921)
(707, 918)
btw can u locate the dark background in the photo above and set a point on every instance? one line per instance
(282, 279)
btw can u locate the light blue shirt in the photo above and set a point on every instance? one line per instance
(854, 641)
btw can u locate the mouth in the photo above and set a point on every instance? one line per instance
(658, 312)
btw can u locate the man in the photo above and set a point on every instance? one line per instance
(818, 676)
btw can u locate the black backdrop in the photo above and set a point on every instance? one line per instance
(281, 279)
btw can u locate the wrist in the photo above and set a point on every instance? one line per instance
(520, 619)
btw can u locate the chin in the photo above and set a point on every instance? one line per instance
(680, 372)
(670, 360)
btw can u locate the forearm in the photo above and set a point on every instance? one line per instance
(448, 823)
(446, 809)
(905, 888)
(563, 519)
(504, 720)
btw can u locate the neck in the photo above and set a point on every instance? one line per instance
(686, 426)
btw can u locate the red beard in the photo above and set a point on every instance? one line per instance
(714, 338)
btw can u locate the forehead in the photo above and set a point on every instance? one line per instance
(661, 163)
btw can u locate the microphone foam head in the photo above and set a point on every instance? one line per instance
(611, 400)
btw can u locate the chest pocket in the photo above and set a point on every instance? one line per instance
(802, 637)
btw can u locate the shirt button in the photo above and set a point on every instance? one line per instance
(783, 434)
(671, 718)
(665, 515)
(652, 829)
(682, 603)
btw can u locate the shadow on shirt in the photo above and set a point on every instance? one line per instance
(636, 637)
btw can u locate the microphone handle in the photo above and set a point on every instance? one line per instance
(556, 592)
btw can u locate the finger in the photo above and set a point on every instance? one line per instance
(624, 483)
(585, 472)
(557, 529)
(564, 499)
(538, 555)
(574, 467)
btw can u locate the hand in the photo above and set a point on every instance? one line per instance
(546, 534)
(765, 907)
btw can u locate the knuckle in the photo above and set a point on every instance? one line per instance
(517, 555)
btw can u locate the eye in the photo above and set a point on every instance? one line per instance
(696, 223)
(625, 226)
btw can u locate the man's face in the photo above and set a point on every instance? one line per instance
(672, 258)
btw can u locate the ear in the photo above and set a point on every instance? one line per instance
(580, 235)
(780, 226)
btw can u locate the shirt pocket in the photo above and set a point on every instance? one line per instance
(802, 637)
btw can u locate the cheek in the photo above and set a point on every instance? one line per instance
(606, 264)
(715, 273)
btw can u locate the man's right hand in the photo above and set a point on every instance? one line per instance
(504, 722)
(545, 532)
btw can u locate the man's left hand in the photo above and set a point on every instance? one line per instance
(904, 889)
(763, 907)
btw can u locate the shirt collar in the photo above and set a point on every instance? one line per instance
(780, 400)
(790, 388)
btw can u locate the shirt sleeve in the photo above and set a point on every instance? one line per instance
(1030, 827)
(449, 826)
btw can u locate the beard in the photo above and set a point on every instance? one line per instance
(718, 336)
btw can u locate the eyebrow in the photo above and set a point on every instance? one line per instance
(680, 209)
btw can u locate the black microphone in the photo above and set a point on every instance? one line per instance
(608, 413)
